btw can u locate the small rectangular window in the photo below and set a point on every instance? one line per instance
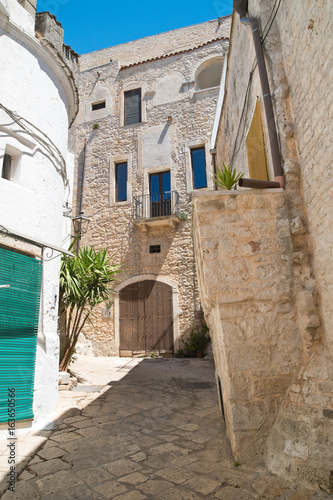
(132, 100)
(154, 248)
(121, 181)
(98, 105)
(199, 168)
(7, 167)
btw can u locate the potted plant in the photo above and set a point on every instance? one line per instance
(226, 178)
(197, 342)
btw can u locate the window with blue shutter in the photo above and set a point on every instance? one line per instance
(199, 168)
(121, 181)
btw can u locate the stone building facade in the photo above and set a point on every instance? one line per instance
(264, 256)
(145, 220)
(38, 103)
(146, 107)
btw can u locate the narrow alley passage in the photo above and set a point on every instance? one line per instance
(156, 433)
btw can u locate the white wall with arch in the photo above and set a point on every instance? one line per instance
(208, 74)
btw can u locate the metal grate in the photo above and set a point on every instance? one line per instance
(149, 206)
(154, 248)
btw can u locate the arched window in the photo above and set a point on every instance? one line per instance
(209, 75)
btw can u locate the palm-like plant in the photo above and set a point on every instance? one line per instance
(85, 281)
(226, 178)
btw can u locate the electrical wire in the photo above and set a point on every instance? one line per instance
(245, 108)
(272, 21)
(243, 114)
(42, 139)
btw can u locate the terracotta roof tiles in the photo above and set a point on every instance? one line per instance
(175, 53)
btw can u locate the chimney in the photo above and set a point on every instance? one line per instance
(30, 6)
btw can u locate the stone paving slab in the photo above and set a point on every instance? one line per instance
(154, 431)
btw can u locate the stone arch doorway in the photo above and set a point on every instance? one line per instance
(146, 314)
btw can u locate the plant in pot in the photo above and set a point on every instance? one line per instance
(226, 177)
(197, 342)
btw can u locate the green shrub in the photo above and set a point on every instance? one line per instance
(226, 178)
(198, 341)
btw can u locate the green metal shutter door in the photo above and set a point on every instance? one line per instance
(19, 312)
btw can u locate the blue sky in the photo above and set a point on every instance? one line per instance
(93, 25)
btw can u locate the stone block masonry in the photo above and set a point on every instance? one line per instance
(175, 117)
(293, 35)
(275, 374)
(244, 258)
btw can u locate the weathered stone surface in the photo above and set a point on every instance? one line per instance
(133, 495)
(190, 475)
(202, 484)
(231, 493)
(250, 416)
(65, 437)
(276, 385)
(296, 450)
(93, 475)
(110, 489)
(270, 486)
(232, 476)
(156, 144)
(176, 476)
(247, 357)
(23, 491)
(51, 452)
(177, 494)
(135, 478)
(59, 481)
(153, 487)
(122, 467)
(50, 466)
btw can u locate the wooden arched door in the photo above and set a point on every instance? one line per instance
(146, 318)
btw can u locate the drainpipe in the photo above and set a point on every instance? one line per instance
(82, 189)
(213, 153)
(257, 184)
(241, 7)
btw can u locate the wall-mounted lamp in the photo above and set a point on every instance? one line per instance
(80, 223)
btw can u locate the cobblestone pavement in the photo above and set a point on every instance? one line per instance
(141, 429)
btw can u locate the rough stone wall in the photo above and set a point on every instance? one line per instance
(309, 74)
(174, 118)
(47, 26)
(244, 256)
(158, 45)
(298, 56)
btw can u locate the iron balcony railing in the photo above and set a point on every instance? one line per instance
(148, 206)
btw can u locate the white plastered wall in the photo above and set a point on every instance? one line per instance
(32, 202)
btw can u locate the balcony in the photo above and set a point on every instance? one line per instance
(158, 209)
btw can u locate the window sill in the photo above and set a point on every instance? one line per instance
(134, 124)
(166, 220)
(120, 203)
(200, 91)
